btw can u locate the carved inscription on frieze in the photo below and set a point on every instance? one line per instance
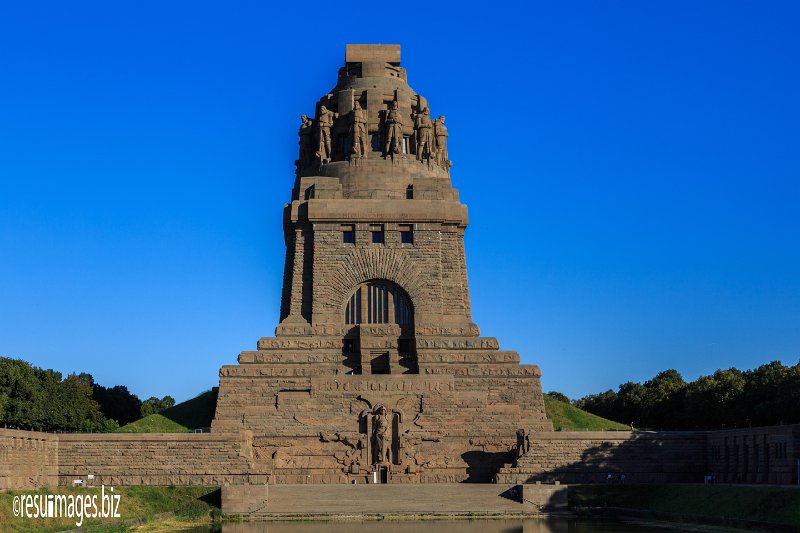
(381, 384)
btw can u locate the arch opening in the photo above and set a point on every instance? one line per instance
(378, 302)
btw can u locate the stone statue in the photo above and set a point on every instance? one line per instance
(520, 443)
(422, 123)
(380, 427)
(325, 123)
(440, 131)
(393, 131)
(306, 143)
(358, 131)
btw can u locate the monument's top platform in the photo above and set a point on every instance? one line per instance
(365, 53)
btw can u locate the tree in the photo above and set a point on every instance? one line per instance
(118, 403)
(33, 398)
(559, 396)
(155, 405)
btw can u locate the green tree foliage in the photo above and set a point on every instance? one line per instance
(118, 403)
(560, 396)
(155, 405)
(767, 395)
(32, 398)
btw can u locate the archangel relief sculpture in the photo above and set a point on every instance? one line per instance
(381, 426)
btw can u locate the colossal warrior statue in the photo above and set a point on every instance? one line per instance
(306, 142)
(393, 126)
(376, 370)
(325, 123)
(422, 122)
(358, 131)
(440, 131)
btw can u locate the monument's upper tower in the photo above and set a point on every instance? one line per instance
(375, 230)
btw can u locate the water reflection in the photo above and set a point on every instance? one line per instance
(431, 526)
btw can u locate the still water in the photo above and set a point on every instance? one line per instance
(435, 526)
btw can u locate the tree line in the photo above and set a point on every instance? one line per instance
(764, 396)
(44, 400)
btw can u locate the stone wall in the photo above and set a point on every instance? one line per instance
(755, 455)
(32, 459)
(157, 459)
(28, 459)
(591, 456)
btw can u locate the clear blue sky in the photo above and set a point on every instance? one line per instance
(631, 170)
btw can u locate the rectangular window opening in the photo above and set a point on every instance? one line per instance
(406, 234)
(348, 234)
(377, 233)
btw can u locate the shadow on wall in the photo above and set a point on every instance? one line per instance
(481, 466)
(611, 457)
(195, 413)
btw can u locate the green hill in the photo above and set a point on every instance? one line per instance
(181, 418)
(568, 417)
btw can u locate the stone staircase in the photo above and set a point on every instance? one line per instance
(361, 499)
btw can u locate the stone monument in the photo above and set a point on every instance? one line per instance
(376, 371)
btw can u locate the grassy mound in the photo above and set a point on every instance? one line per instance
(181, 418)
(774, 505)
(568, 417)
(153, 424)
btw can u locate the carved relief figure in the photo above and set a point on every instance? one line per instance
(393, 131)
(358, 131)
(325, 123)
(381, 426)
(422, 123)
(440, 131)
(306, 143)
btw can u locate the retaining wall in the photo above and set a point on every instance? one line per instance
(28, 459)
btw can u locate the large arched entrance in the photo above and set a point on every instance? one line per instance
(381, 339)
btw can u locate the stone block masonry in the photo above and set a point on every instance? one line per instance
(28, 459)
(593, 456)
(157, 459)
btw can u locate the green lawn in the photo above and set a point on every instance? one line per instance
(184, 417)
(764, 504)
(188, 503)
(568, 417)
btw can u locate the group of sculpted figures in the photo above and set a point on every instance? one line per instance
(430, 136)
